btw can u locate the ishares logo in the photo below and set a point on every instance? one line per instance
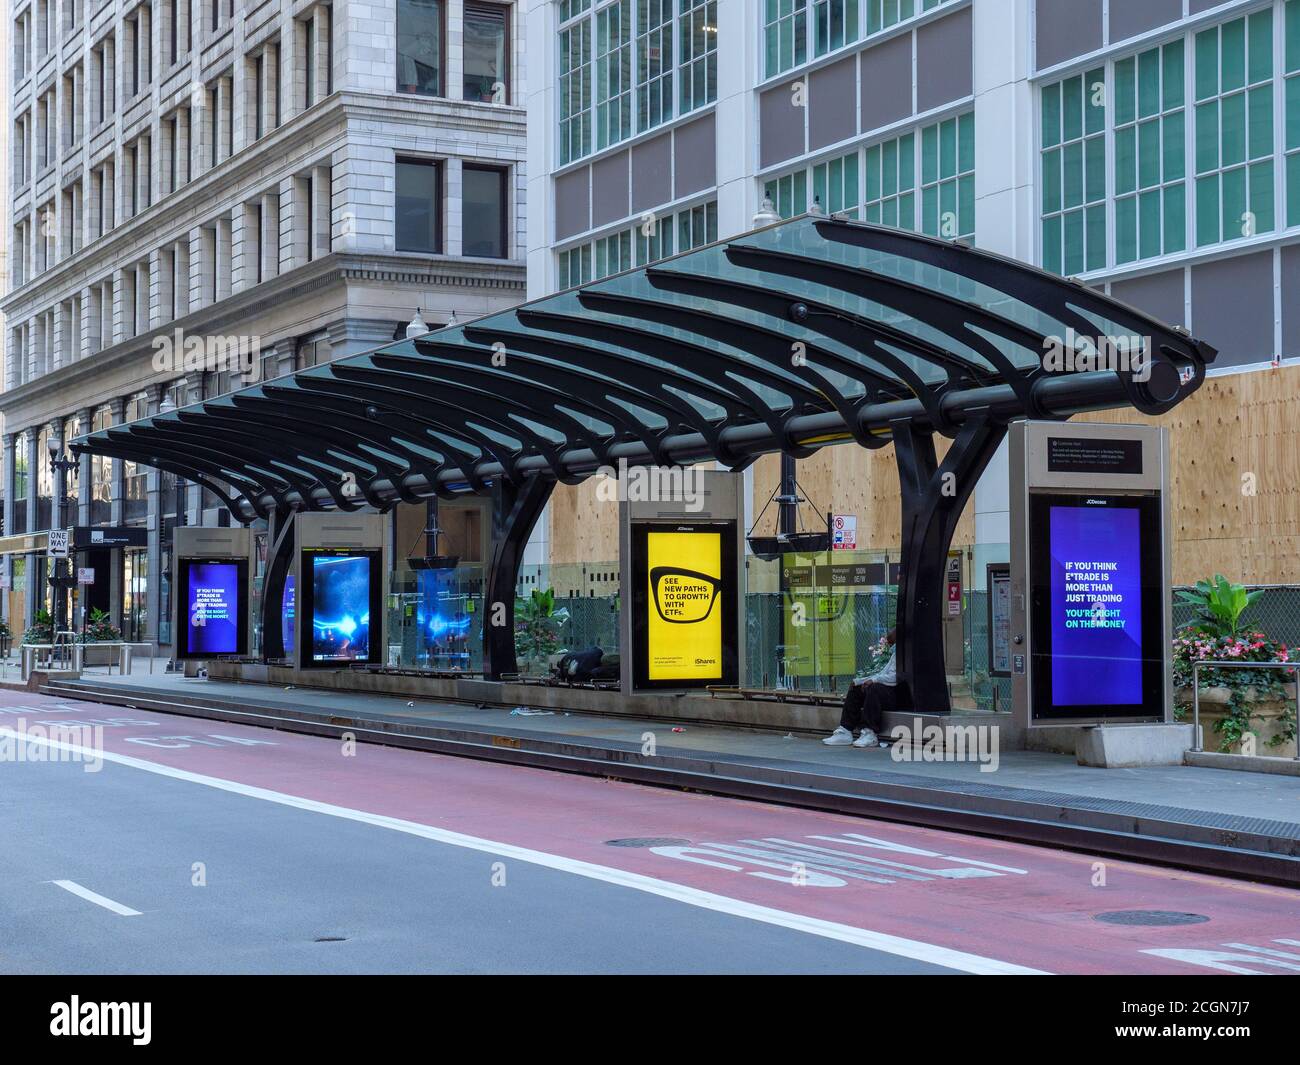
(133, 1019)
(208, 353)
(1076, 353)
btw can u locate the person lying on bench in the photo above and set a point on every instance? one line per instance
(865, 704)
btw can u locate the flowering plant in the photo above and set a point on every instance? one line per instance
(1268, 684)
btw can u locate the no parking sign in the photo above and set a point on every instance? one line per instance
(844, 532)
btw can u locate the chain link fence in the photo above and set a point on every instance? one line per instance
(1276, 613)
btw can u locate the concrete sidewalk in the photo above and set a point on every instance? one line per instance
(1246, 823)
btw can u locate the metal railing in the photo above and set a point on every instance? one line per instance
(1213, 663)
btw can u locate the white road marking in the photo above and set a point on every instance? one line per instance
(96, 898)
(879, 941)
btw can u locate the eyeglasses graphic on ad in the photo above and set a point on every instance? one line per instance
(683, 596)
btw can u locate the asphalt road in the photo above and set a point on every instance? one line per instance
(201, 847)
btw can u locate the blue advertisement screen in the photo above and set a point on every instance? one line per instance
(341, 602)
(1098, 601)
(212, 607)
(288, 608)
(1096, 605)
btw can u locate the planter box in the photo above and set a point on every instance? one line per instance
(1265, 719)
(101, 655)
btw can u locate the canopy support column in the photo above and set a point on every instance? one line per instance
(279, 561)
(515, 510)
(933, 497)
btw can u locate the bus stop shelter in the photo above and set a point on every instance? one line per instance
(808, 333)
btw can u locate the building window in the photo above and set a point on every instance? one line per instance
(654, 240)
(484, 206)
(639, 245)
(613, 73)
(624, 48)
(575, 266)
(835, 24)
(789, 193)
(1234, 129)
(697, 29)
(487, 53)
(1074, 172)
(785, 34)
(697, 226)
(891, 182)
(419, 47)
(654, 74)
(575, 91)
(948, 178)
(418, 219)
(1150, 157)
(835, 185)
(1291, 96)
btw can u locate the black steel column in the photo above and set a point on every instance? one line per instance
(279, 561)
(933, 497)
(515, 510)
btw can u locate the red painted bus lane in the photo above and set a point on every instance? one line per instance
(1029, 906)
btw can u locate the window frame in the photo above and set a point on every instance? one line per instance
(503, 173)
(439, 167)
(507, 17)
(441, 92)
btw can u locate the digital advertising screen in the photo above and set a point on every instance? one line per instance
(1097, 611)
(214, 598)
(684, 605)
(288, 609)
(340, 606)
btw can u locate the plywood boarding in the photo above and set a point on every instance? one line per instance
(1239, 434)
(1234, 477)
(847, 479)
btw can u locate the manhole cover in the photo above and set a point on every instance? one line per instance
(1151, 917)
(648, 841)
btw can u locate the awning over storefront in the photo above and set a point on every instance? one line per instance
(809, 332)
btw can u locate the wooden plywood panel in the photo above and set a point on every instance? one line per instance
(847, 479)
(1234, 477)
(1234, 485)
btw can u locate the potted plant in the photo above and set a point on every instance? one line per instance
(99, 629)
(537, 629)
(1235, 703)
(41, 630)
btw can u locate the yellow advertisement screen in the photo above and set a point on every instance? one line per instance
(685, 605)
(685, 622)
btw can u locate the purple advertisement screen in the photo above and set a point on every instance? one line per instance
(212, 610)
(1096, 605)
(288, 611)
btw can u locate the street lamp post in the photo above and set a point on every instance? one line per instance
(62, 466)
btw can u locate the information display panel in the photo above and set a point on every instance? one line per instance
(339, 593)
(684, 603)
(213, 593)
(1096, 581)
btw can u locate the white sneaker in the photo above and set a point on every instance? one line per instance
(841, 737)
(866, 739)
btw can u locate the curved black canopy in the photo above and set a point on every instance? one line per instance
(809, 332)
